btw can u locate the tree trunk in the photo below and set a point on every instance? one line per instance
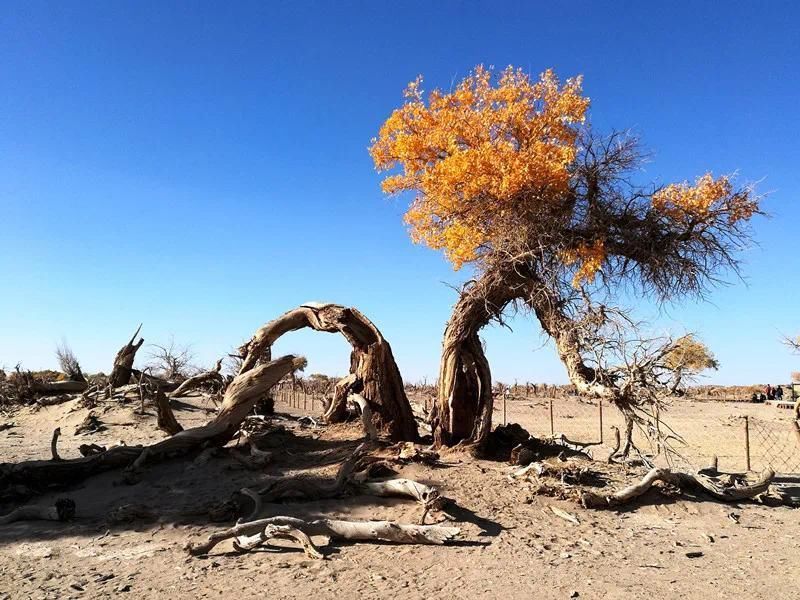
(239, 398)
(463, 410)
(123, 362)
(373, 371)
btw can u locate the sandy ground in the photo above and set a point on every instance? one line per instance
(512, 545)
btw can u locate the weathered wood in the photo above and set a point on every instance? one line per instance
(366, 416)
(123, 361)
(166, 418)
(354, 531)
(59, 387)
(239, 398)
(214, 375)
(721, 490)
(373, 370)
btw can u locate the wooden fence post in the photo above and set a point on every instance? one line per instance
(552, 425)
(600, 404)
(747, 440)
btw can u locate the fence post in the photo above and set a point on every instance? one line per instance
(552, 425)
(600, 404)
(505, 421)
(747, 439)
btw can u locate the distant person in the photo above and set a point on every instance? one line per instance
(768, 392)
(779, 393)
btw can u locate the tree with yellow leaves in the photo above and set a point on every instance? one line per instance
(509, 179)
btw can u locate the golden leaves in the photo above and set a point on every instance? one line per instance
(472, 153)
(590, 258)
(683, 202)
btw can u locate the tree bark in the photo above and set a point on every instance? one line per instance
(239, 398)
(373, 370)
(463, 410)
(123, 361)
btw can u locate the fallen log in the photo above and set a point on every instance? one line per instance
(59, 387)
(239, 399)
(724, 490)
(353, 531)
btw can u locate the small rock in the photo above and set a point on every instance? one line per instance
(694, 554)
(566, 555)
(574, 594)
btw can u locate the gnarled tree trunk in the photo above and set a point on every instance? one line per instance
(373, 371)
(123, 362)
(463, 410)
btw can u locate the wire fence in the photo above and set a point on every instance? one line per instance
(739, 442)
(774, 445)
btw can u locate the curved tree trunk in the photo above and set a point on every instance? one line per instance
(463, 410)
(373, 370)
(123, 362)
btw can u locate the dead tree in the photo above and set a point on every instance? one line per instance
(214, 376)
(69, 362)
(123, 362)
(373, 371)
(239, 398)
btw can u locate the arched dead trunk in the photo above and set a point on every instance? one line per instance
(463, 410)
(373, 371)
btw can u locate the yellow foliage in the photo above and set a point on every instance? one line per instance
(473, 154)
(681, 201)
(590, 259)
(494, 159)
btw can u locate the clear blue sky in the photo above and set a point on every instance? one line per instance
(202, 167)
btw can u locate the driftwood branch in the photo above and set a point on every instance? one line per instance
(214, 375)
(354, 531)
(726, 491)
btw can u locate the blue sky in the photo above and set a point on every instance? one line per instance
(202, 167)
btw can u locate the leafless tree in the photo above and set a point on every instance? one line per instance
(172, 362)
(69, 362)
